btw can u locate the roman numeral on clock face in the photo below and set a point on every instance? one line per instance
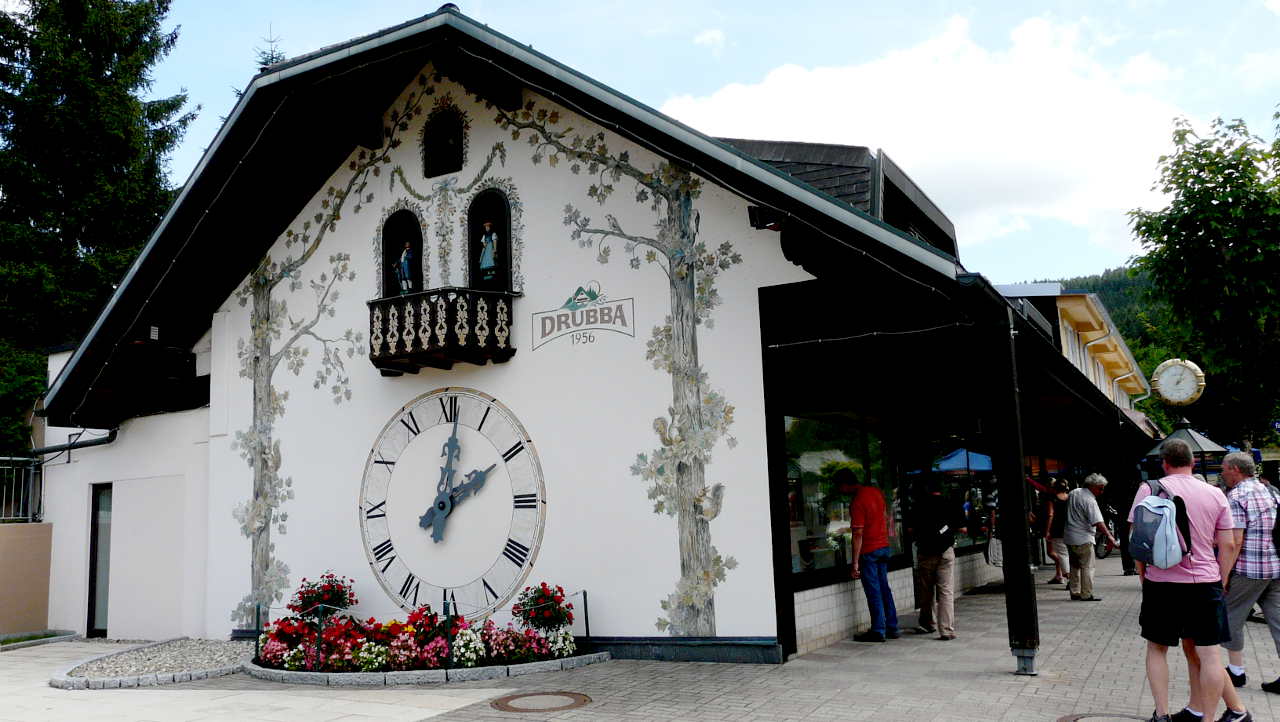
(385, 551)
(411, 424)
(449, 408)
(516, 552)
(526, 501)
(513, 452)
(488, 590)
(411, 584)
(377, 511)
(448, 601)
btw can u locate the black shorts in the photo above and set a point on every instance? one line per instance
(1173, 611)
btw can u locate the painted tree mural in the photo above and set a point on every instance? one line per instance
(698, 416)
(277, 337)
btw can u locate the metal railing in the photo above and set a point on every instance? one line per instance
(21, 489)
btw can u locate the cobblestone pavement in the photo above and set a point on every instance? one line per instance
(1090, 660)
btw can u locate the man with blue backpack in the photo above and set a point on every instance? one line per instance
(1176, 522)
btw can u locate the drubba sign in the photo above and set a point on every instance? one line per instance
(585, 312)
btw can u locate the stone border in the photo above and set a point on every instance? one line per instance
(63, 679)
(59, 635)
(420, 676)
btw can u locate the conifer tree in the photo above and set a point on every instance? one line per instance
(83, 173)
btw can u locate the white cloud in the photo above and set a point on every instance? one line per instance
(1260, 70)
(713, 38)
(1039, 130)
(1272, 5)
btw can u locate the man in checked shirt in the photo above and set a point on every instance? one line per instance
(1255, 579)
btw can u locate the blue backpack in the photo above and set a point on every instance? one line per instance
(1161, 530)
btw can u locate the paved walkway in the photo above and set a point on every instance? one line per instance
(1090, 661)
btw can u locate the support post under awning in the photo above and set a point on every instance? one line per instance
(1004, 420)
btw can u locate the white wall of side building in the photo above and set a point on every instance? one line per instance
(158, 469)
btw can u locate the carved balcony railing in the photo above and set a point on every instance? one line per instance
(440, 327)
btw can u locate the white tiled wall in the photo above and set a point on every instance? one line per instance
(827, 615)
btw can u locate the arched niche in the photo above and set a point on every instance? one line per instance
(401, 273)
(489, 241)
(444, 141)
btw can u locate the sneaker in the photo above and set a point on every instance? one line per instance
(868, 636)
(1075, 597)
(1272, 687)
(1185, 716)
(1055, 581)
(1091, 599)
(1158, 717)
(946, 638)
(892, 634)
(1237, 680)
(922, 629)
(1233, 716)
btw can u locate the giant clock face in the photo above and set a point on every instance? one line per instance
(452, 504)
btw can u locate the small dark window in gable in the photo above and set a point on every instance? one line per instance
(442, 142)
(489, 241)
(401, 254)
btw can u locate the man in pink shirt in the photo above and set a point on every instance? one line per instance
(1185, 602)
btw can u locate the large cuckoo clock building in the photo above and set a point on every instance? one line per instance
(442, 315)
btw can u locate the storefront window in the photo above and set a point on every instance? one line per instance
(818, 511)
(965, 478)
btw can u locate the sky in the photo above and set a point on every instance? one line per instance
(1035, 126)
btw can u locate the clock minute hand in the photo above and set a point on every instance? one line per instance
(475, 480)
(451, 451)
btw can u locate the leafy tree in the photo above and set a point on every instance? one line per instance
(83, 176)
(1213, 255)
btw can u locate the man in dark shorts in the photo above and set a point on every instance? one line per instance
(1185, 601)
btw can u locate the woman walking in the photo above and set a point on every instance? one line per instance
(1055, 529)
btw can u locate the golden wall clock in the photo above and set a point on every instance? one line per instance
(1178, 381)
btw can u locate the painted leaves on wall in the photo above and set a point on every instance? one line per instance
(698, 416)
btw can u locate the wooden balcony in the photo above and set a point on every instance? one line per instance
(439, 327)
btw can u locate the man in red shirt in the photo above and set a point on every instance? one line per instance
(871, 553)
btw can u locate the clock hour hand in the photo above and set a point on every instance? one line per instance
(436, 515)
(475, 480)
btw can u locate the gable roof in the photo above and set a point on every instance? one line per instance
(305, 115)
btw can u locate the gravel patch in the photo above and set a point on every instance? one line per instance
(181, 655)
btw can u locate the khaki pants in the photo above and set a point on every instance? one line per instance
(1081, 579)
(937, 573)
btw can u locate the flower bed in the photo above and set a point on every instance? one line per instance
(325, 643)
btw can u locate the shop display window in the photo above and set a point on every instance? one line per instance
(818, 511)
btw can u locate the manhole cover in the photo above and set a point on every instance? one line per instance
(1101, 716)
(540, 702)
